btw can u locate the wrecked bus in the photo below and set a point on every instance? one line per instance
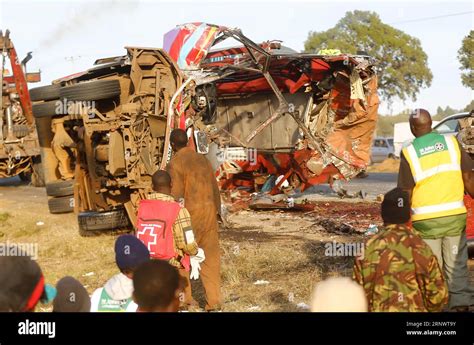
(255, 110)
(307, 118)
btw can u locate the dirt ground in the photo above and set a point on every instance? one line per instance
(390, 165)
(271, 260)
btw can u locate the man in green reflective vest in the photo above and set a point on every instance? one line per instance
(436, 171)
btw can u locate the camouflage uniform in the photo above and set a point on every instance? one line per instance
(399, 272)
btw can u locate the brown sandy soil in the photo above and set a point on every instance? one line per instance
(388, 165)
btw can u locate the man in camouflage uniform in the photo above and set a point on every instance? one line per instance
(398, 270)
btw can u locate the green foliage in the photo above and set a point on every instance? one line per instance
(466, 59)
(469, 107)
(385, 123)
(402, 63)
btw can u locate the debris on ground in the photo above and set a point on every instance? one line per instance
(335, 226)
(261, 282)
(346, 217)
(371, 230)
(283, 205)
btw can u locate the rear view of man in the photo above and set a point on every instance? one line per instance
(157, 287)
(436, 171)
(193, 180)
(398, 271)
(173, 242)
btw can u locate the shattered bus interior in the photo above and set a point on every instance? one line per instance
(306, 117)
(262, 113)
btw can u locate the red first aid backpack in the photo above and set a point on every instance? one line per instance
(155, 229)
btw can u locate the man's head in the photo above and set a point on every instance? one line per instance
(338, 294)
(130, 253)
(71, 296)
(161, 181)
(22, 283)
(156, 287)
(396, 207)
(420, 122)
(178, 139)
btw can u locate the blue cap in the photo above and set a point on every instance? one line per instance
(130, 252)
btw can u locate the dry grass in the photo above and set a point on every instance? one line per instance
(61, 251)
(292, 264)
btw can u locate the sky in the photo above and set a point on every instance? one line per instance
(68, 36)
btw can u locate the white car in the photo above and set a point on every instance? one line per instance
(450, 124)
(382, 148)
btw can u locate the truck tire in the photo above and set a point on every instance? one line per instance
(61, 204)
(60, 188)
(91, 91)
(91, 221)
(48, 109)
(45, 93)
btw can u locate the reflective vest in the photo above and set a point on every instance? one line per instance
(102, 302)
(155, 229)
(435, 163)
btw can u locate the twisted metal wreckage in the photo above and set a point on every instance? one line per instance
(258, 111)
(308, 118)
(19, 148)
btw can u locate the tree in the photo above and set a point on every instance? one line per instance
(466, 58)
(470, 106)
(439, 111)
(401, 62)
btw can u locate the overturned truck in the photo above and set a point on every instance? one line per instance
(255, 110)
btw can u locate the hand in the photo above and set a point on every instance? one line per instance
(196, 264)
(195, 268)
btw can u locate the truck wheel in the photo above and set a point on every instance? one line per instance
(60, 188)
(91, 91)
(48, 109)
(62, 204)
(91, 221)
(45, 93)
